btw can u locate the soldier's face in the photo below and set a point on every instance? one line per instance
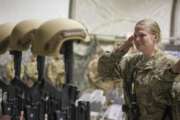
(144, 40)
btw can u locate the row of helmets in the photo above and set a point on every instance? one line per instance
(45, 38)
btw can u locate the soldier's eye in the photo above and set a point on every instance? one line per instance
(142, 35)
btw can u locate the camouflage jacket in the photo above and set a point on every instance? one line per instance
(153, 81)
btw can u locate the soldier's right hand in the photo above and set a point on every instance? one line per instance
(125, 46)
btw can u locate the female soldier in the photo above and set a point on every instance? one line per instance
(148, 72)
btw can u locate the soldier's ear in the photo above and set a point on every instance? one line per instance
(154, 38)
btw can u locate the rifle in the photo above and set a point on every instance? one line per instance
(32, 104)
(69, 111)
(47, 96)
(83, 111)
(3, 94)
(69, 92)
(14, 105)
(69, 96)
(51, 103)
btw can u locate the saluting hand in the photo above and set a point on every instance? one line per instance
(125, 47)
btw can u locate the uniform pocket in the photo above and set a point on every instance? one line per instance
(161, 90)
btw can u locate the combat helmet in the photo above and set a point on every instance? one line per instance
(5, 31)
(20, 40)
(22, 34)
(51, 35)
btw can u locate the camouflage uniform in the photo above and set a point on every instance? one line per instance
(152, 77)
(97, 81)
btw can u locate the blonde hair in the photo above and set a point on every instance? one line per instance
(153, 26)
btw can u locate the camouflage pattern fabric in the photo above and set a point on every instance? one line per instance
(98, 82)
(153, 80)
(30, 71)
(10, 70)
(56, 71)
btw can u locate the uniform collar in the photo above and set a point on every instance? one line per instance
(149, 63)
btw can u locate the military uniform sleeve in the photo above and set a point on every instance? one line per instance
(107, 63)
(175, 91)
(113, 65)
(174, 78)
